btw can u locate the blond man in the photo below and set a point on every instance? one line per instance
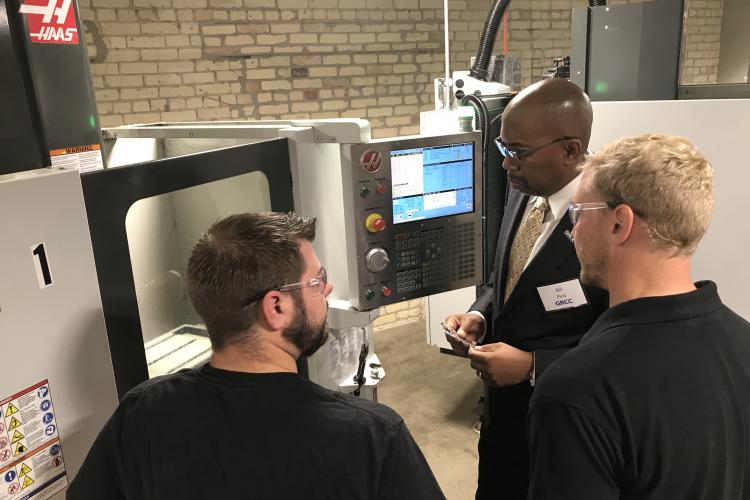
(654, 402)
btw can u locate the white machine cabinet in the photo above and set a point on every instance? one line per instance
(56, 382)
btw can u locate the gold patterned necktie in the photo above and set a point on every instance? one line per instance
(526, 236)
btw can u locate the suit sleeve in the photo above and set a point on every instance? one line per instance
(571, 456)
(483, 304)
(406, 474)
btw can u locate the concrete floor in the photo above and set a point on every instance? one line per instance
(435, 394)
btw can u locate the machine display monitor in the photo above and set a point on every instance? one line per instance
(430, 182)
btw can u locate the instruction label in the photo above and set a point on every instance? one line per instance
(82, 158)
(31, 461)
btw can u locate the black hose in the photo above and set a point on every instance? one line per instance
(598, 3)
(483, 117)
(487, 39)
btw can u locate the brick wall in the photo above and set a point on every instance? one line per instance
(268, 59)
(184, 60)
(701, 41)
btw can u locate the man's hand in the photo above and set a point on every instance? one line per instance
(467, 326)
(501, 364)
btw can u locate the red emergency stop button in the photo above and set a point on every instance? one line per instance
(380, 189)
(375, 223)
(386, 291)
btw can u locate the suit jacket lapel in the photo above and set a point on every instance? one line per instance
(555, 251)
(513, 214)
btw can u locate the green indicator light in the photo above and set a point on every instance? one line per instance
(92, 121)
(601, 87)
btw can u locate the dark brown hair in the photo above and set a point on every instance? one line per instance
(238, 258)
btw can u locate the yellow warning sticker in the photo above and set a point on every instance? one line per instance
(11, 410)
(25, 469)
(20, 449)
(26, 482)
(17, 436)
(13, 423)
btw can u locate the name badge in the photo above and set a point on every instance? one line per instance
(565, 295)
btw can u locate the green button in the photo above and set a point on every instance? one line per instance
(370, 294)
(363, 191)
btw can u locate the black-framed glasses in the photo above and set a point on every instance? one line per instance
(575, 209)
(516, 155)
(317, 283)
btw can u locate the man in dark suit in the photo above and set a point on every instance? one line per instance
(534, 308)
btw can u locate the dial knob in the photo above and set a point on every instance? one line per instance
(376, 260)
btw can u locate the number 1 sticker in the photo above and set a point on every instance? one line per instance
(41, 264)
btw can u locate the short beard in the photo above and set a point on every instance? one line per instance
(301, 333)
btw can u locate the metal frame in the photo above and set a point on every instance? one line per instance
(110, 193)
(714, 91)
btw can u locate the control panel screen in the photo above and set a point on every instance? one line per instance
(432, 182)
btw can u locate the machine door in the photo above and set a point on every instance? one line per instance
(145, 219)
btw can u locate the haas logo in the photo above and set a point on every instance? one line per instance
(50, 23)
(370, 161)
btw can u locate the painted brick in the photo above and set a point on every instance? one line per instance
(175, 67)
(271, 39)
(138, 68)
(307, 83)
(272, 109)
(158, 54)
(238, 40)
(219, 29)
(285, 28)
(261, 74)
(178, 91)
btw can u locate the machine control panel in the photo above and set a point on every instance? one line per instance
(416, 213)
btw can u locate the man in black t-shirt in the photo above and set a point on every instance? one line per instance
(246, 425)
(653, 404)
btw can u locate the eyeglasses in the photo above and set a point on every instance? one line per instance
(575, 209)
(318, 284)
(521, 155)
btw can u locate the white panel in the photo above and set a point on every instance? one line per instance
(54, 332)
(720, 129)
(440, 306)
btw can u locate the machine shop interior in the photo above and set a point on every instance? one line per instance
(130, 126)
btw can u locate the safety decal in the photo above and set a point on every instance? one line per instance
(25, 469)
(83, 158)
(31, 459)
(27, 481)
